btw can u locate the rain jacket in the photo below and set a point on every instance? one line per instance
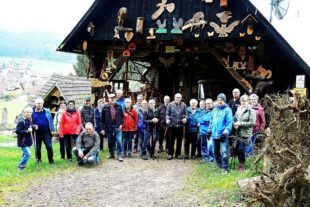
(192, 119)
(221, 121)
(204, 120)
(130, 120)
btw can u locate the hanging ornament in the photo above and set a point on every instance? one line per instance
(162, 6)
(128, 36)
(161, 27)
(177, 25)
(84, 45)
(139, 25)
(196, 21)
(91, 29)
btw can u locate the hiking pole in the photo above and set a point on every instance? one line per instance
(183, 138)
(34, 141)
(199, 138)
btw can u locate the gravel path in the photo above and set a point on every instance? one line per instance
(134, 182)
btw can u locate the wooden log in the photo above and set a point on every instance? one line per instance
(248, 184)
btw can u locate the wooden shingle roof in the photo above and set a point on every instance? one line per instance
(70, 87)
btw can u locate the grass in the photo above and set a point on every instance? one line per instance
(7, 138)
(221, 190)
(13, 181)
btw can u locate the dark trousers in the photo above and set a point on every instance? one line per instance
(241, 152)
(199, 146)
(175, 134)
(136, 141)
(127, 142)
(101, 141)
(162, 135)
(47, 140)
(191, 139)
(65, 145)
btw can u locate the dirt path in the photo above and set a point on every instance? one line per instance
(134, 182)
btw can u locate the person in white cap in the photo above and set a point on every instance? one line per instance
(112, 121)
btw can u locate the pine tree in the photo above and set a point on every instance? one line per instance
(80, 66)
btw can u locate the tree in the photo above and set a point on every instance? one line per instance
(80, 66)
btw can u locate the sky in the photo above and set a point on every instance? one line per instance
(60, 16)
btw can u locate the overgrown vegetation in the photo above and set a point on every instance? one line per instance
(216, 189)
(287, 181)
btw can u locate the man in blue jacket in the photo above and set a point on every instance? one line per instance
(219, 129)
(43, 124)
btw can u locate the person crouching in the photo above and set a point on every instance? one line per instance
(24, 137)
(87, 146)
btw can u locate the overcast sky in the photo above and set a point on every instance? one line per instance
(60, 16)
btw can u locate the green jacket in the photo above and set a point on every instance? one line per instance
(247, 122)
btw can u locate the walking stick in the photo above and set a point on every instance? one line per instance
(34, 141)
(153, 137)
(183, 138)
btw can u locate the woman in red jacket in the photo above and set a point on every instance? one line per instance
(129, 127)
(70, 127)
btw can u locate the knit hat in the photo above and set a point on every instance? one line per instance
(222, 96)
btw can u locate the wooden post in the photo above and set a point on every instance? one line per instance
(126, 85)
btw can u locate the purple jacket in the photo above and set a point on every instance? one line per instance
(260, 118)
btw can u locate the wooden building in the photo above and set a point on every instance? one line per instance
(199, 48)
(64, 88)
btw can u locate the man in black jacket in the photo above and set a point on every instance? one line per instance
(88, 112)
(112, 120)
(176, 118)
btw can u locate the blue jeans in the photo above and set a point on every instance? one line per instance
(221, 153)
(207, 149)
(146, 142)
(127, 142)
(250, 147)
(94, 158)
(25, 157)
(115, 136)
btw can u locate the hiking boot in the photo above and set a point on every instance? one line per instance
(52, 162)
(124, 155)
(241, 168)
(110, 157)
(39, 161)
(144, 157)
(193, 157)
(186, 157)
(170, 157)
(129, 155)
(178, 157)
(135, 151)
(224, 172)
(152, 156)
(120, 159)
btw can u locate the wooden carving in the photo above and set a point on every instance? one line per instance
(196, 21)
(224, 30)
(262, 73)
(224, 16)
(140, 24)
(162, 6)
(161, 27)
(128, 36)
(177, 26)
(122, 12)
(151, 36)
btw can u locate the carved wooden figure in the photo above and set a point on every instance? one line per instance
(162, 6)
(196, 21)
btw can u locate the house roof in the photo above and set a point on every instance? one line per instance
(70, 87)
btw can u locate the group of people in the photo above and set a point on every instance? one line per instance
(205, 129)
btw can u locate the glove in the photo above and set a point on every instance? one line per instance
(208, 135)
(223, 137)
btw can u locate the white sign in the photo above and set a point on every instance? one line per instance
(300, 81)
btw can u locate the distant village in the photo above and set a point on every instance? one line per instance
(19, 78)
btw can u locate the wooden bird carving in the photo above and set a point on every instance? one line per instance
(122, 12)
(224, 30)
(196, 21)
(224, 16)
